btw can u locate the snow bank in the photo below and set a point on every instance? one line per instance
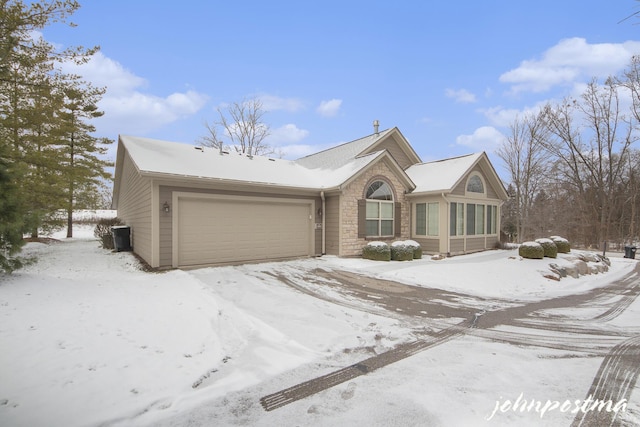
(87, 338)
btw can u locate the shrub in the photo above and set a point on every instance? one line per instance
(415, 246)
(103, 233)
(400, 251)
(377, 251)
(531, 250)
(562, 244)
(550, 248)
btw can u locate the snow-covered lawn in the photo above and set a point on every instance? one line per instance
(87, 338)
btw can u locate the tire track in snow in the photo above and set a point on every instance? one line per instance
(614, 382)
(481, 324)
(316, 385)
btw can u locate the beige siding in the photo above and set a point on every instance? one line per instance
(429, 246)
(475, 244)
(134, 208)
(332, 224)
(398, 154)
(456, 245)
(460, 189)
(491, 192)
(492, 241)
(165, 224)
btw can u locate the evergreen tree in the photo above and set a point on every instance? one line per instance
(45, 143)
(10, 219)
(82, 166)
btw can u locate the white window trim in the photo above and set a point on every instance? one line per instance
(427, 216)
(472, 193)
(379, 219)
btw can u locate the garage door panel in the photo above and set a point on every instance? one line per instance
(212, 230)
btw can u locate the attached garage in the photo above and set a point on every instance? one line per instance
(214, 229)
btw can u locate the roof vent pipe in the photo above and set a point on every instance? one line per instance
(376, 124)
(220, 145)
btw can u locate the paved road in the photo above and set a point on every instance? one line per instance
(449, 314)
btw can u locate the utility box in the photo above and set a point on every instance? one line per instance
(121, 238)
(630, 252)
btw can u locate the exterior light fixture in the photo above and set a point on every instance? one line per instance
(166, 207)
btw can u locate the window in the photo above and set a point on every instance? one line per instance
(492, 219)
(379, 209)
(428, 219)
(456, 219)
(475, 219)
(471, 219)
(379, 190)
(474, 185)
(479, 219)
(421, 219)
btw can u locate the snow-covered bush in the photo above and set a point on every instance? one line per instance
(417, 250)
(562, 244)
(400, 251)
(102, 231)
(550, 248)
(531, 250)
(377, 251)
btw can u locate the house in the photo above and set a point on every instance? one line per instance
(192, 206)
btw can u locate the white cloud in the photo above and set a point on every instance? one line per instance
(570, 60)
(140, 113)
(128, 109)
(329, 108)
(461, 96)
(485, 138)
(273, 103)
(287, 134)
(105, 72)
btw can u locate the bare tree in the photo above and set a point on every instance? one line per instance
(527, 161)
(592, 140)
(211, 138)
(242, 123)
(573, 167)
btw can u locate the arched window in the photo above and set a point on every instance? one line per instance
(379, 190)
(475, 185)
(380, 209)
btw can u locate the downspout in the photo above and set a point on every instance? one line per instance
(324, 223)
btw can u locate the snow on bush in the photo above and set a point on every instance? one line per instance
(417, 250)
(562, 244)
(532, 250)
(400, 251)
(377, 251)
(550, 248)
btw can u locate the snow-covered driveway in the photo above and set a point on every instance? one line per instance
(89, 339)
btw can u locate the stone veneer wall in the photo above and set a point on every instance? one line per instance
(350, 244)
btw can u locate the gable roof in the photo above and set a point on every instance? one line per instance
(444, 175)
(336, 157)
(162, 159)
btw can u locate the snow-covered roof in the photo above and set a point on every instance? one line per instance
(336, 157)
(441, 175)
(157, 157)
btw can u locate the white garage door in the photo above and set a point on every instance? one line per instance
(222, 230)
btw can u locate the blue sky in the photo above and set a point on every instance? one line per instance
(450, 75)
